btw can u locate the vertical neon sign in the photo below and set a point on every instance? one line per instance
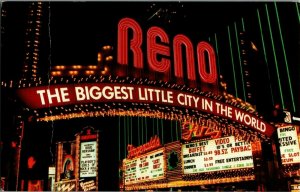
(158, 53)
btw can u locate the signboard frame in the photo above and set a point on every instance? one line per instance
(220, 150)
(291, 148)
(148, 154)
(88, 134)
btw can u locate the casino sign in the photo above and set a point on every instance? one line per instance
(158, 87)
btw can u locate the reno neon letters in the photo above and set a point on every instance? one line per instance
(206, 68)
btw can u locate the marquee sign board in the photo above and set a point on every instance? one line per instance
(289, 145)
(88, 159)
(87, 141)
(72, 94)
(216, 155)
(147, 167)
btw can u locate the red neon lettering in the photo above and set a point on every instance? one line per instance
(178, 41)
(152, 144)
(211, 76)
(88, 137)
(186, 131)
(190, 130)
(153, 49)
(135, 42)
(222, 141)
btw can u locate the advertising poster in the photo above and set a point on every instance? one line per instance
(147, 167)
(65, 161)
(216, 155)
(88, 159)
(289, 145)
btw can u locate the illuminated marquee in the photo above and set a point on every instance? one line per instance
(147, 167)
(68, 94)
(162, 50)
(88, 159)
(203, 129)
(216, 155)
(289, 145)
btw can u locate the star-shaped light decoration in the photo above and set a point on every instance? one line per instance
(166, 12)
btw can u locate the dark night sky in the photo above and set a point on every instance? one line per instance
(75, 31)
(79, 29)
